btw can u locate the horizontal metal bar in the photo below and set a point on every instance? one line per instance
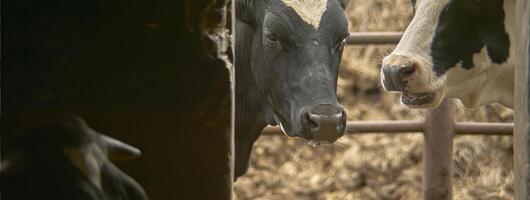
(364, 38)
(483, 128)
(383, 126)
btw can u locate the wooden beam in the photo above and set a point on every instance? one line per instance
(521, 138)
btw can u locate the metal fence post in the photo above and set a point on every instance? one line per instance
(438, 152)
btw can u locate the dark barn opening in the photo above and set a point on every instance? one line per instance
(152, 73)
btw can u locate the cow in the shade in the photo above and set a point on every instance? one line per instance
(67, 160)
(456, 49)
(287, 61)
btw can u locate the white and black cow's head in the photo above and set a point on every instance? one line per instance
(66, 159)
(295, 55)
(453, 48)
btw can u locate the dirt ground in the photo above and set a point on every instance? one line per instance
(376, 166)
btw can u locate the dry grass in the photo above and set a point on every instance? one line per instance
(376, 166)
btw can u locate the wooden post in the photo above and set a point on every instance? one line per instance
(438, 153)
(521, 138)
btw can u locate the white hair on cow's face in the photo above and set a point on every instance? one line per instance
(311, 11)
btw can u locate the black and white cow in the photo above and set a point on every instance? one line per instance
(457, 49)
(287, 59)
(67, 160)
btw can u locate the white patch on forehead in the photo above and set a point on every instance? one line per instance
(311, 11)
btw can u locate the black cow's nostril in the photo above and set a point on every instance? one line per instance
(309, 124)
(326, 122)
(396, 76)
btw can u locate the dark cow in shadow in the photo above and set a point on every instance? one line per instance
(454, 48)
(67, 160)
(287, 60)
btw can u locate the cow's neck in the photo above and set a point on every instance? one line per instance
(501, 88)
(496, 84)
(489, 87)
(252, 113)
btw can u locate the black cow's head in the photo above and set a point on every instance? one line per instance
(453, 48)
(66, 159)
(295, 57)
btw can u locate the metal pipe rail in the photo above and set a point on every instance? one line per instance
(366, 38)
(407, 126)
(438, 129)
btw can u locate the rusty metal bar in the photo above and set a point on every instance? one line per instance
(407, 126)
(365, 38)
(438, 152)
(354, 127)
(484, 128)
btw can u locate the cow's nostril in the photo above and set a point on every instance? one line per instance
(312, 122)
(327, 122)
(309, 123)
(406, 70)
(396, 76)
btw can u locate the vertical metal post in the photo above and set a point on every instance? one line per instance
(521, 138)
(438, 152)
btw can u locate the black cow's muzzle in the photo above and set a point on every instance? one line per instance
(324, 123)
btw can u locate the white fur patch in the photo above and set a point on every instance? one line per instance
(311, 11)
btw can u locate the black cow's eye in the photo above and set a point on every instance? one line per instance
(273, 39)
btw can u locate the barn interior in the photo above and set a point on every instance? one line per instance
(154, 74)
(157, 75)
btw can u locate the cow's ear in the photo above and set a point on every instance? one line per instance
(344, 3)
(245, 11)
(118, 150)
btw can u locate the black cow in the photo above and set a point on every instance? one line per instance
(287, 59)
(67, 160)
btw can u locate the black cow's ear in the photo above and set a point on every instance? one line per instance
(245, 11)
(344, 3)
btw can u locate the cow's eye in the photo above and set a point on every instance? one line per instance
(272, 40)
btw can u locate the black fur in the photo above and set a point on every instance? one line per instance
(245, 12)
(344, 3)
(464, 28)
